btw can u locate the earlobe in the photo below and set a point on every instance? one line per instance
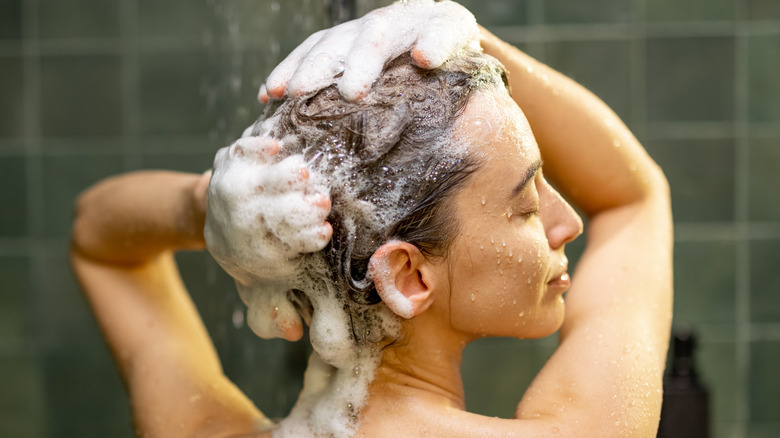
(397, 269)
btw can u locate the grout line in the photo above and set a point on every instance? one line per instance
(638, 71)
(742, 205)
(131, 140)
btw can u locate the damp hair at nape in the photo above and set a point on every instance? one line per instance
(389, 159)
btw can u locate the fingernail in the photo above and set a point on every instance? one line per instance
(420, 59)
(277, 92)
(262, 95)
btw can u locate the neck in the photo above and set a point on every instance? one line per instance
(424, 364)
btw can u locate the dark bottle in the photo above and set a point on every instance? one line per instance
(684, 412)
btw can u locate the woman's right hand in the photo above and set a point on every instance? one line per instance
(353, 54)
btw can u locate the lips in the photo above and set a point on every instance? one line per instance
(561, 280)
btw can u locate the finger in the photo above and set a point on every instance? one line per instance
(276, 84)
(314, 239)
(324, 62)
(262, 95)
(444, 39)
(258, 148)
(376, 44)
(289, 175)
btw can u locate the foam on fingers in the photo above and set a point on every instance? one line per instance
(276, 84)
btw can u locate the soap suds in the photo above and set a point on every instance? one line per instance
(433, 32)
(270, 221)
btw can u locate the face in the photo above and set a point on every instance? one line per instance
(506, 269)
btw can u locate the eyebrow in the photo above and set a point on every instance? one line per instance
(529, 175)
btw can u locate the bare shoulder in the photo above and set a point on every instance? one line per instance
(418, 419)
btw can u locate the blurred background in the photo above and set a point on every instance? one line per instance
(90, 88)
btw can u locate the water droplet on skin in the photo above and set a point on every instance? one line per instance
(520, 259)
(492, 240)
(529, 280)
(503, 243)
(483, 201)
(616, 143)
(521, 314)
(356, 370)
(473, 297)
(514, 301)
(481, 246)
(510, 253)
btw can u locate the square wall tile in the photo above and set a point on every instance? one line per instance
(690, 10)
(705, 282)
(498, 12)
(175, 17)
(81, 95)
(84, 395)
(763, 86)
(11, 19)
(585, 61)
(173, 94)
(596, 11)
(11, 96)
(512, 365)
(763, 429)
(764, 179)
(763, 9)
(22, 413)
(701, 177)
(65, 178)
(690, 79)
(716, 363)
(14, 296)
(13, 196)
(60, 302)
(765, 281)
(79, 18)
(183, 162)
(250, 362)
(764, 381)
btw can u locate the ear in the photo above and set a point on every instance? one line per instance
(402, 279)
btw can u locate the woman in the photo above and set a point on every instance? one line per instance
(491, 263)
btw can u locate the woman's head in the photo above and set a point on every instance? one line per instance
(389, 161)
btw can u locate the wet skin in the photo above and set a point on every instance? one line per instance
(506, 270)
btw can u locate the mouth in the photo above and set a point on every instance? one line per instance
(561, 281)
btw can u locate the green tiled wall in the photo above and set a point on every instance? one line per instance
(89, 88)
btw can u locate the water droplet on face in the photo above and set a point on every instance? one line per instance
(356, 370)
(473, 297)
(503, 243)
(616, 143)
(529, 280)
(520, 259)
(492, 240)
(483, 201)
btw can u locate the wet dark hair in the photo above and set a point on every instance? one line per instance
(394, 156)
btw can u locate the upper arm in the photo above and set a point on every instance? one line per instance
(163, 350)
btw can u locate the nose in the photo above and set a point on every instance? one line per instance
(561, 223)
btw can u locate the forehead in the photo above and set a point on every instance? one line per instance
(493, 128)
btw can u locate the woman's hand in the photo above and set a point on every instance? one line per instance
(353, 54)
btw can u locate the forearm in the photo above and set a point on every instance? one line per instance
(588, 152)
(131, 218)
